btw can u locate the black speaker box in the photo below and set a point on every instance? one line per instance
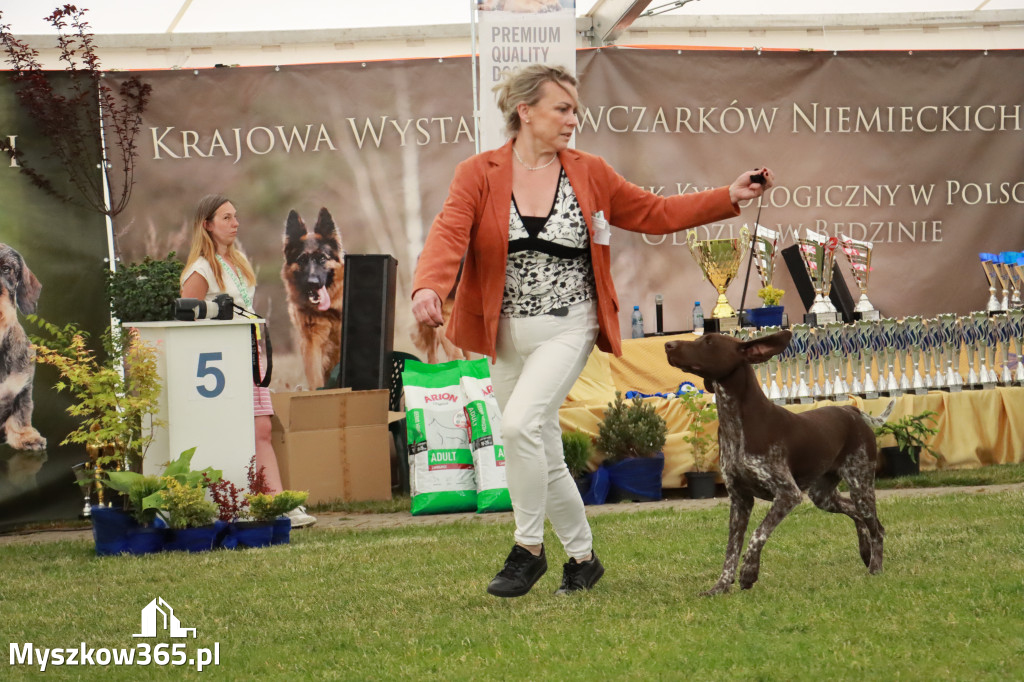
(839, 295)
(367, 321)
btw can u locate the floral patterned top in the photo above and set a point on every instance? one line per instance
(548, 258)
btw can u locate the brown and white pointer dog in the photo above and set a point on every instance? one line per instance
(773, 454)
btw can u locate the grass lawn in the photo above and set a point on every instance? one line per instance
(410, 604)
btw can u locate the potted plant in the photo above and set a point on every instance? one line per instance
(190, 517)
(145, 505)
(146, 291)
(911, 434)
(701, 482)
(255, 517)
(632, 436)
(770, 312)
(271, 509)
(579, 450)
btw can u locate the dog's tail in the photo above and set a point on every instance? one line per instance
(875, 422)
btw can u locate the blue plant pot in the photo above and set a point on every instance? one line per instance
(245, 534)
(766, 316)
(282, 531)
(593, 486)
(116, 532)
(201, 539)
(637, 478)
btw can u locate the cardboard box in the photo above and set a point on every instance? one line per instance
(333, 443)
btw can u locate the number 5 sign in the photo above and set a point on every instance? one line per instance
(206, 402)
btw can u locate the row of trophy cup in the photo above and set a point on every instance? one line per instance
(889, 357)
(720, 259)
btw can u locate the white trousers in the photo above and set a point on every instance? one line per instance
(538, 361)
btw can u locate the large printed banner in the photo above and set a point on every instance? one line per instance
(921, 154)
(514, 34)
(51, 257)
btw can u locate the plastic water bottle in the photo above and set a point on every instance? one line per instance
(638, 323)
(698, 319)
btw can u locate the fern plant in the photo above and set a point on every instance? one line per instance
(630, 429)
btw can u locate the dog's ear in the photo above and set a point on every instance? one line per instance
(294, 228)
(759, 350)
(28, 290)
(325, 226)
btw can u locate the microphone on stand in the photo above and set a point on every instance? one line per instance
(660, 328)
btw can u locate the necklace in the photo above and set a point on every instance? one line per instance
(533, 168)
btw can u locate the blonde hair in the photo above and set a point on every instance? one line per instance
(202, 243)
(524, 87)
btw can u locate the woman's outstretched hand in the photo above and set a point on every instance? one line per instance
(743, 188)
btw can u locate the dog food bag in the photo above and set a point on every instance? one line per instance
(484, 419)
(441, 477)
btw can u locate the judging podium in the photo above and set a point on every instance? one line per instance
(206, 398)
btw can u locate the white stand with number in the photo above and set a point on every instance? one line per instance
(206, 398)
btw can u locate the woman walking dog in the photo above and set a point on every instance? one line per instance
(533, 220)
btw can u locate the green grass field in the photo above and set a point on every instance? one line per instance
(410, 604)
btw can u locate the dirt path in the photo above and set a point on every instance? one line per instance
(334, 521)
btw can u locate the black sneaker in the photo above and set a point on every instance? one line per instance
(580, 575)
(521, 571)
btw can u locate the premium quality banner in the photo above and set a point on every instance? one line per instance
(514, 34)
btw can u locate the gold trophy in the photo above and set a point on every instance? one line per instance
(858, 255)
(818, 252)
(719, 260)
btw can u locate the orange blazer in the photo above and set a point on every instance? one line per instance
(474, 222)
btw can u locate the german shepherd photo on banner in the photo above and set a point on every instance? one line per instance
(313, 275)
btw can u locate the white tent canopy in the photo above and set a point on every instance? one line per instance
(204, 33)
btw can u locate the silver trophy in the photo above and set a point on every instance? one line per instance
(765, 247)
(867, 331)
(951, 342)
(818, 254)
(993, 275)
(1016, 319)
(1003, 328)
(858, 255)
(801, 392)
(969, 338)
(985, 336)
(834, 342)
(1010, 263)
(916, 344)
(890, 386)
(852, 350)
(933, 333)
(773, 366)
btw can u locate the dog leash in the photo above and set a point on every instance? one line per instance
(750, 259)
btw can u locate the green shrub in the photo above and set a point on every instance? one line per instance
(578, 449)
(145, 292)
(630, 429)
(911, 433)
(264, 507)
(186, 505)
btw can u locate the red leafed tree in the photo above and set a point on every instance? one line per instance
(74, 111)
